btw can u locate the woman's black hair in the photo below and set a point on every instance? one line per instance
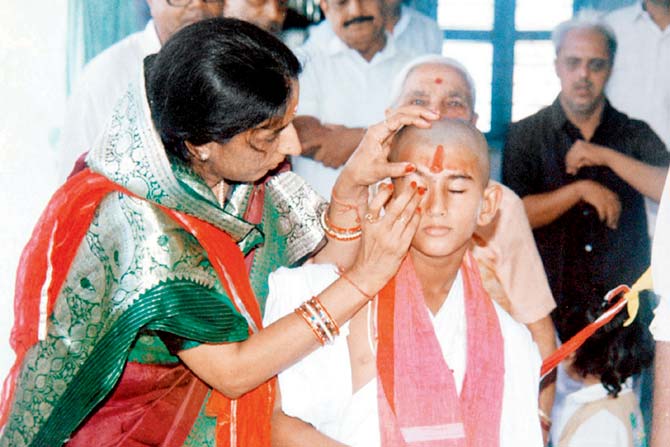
(613, 352)
(215, 79)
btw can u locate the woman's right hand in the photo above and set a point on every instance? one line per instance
(386, 238)
(369, 163)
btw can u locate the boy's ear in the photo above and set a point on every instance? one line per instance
(490, 203)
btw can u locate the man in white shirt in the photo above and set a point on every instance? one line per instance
(412, 31)
(639, 83)
(105, 78)
(344, 87)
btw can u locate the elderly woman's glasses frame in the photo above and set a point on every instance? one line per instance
(182, 3)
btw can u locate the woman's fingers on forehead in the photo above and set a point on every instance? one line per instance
(402, 200)
(398, 169)
(413, 109)
(402, 118)
(380, 198)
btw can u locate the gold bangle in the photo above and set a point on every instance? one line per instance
(340, 234)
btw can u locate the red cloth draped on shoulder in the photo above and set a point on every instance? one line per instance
(418, 400)
(44, 266)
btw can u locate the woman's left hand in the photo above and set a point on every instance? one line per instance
(369, 163)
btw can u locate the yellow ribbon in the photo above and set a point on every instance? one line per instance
(632, 297)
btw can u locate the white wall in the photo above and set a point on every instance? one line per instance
(32, 98)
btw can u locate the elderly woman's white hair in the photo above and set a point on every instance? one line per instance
(586, 19)
(430, 59)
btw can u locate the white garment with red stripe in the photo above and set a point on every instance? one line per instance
(318, 388)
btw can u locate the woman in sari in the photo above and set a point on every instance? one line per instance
(140, 294)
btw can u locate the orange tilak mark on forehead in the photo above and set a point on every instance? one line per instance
(436, 165)
(438, 80)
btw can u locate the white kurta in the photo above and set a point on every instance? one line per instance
(639, 84)
(318, 389)
(95, 93)
(338, 86)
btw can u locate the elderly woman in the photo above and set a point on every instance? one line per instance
(140, 295)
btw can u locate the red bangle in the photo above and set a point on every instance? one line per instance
(340, 234)
(355, 229)
(355, 286)
(345, 205)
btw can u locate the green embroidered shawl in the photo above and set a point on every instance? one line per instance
(137, 272)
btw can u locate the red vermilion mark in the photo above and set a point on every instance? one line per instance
(438, 160)
(438, 80)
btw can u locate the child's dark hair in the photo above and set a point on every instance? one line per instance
(613, 352)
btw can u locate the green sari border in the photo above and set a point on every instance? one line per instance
(179, 307)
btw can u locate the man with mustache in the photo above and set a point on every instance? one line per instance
(106, 77)
(343, 87)
(582, 169)
(410, 29)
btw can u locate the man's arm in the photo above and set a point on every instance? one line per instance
(331, 145)
(544, 208)
(647, 179)
(542, 332)
(288, 431)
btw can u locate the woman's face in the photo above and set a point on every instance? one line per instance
(249, 155)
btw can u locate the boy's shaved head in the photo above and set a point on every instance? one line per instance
(446, 134)
(452, 168)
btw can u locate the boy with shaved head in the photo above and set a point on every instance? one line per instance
(505, 250)
(432, 360)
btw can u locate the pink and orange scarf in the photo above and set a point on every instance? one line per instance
(418, 400)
